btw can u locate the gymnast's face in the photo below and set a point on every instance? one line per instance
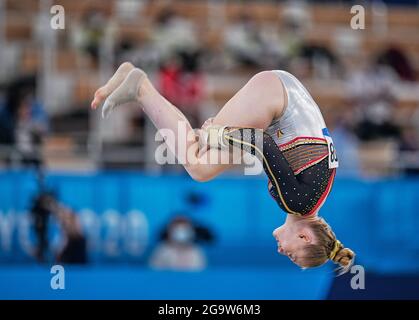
(292, 237)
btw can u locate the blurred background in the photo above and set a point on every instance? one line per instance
(88, 193)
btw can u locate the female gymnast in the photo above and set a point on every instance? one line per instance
(272, 117)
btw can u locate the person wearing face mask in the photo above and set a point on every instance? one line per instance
(179, 251)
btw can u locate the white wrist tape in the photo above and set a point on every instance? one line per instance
(216, 136)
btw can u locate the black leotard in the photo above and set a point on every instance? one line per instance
(299, 174)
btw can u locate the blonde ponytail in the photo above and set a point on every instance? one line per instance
(326, 247)
(344, 257)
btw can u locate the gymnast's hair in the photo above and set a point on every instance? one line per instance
(325, 247)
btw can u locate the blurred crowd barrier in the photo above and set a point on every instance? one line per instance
(198, 54)
(123, 216)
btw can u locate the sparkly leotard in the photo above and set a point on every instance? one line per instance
(296, 151)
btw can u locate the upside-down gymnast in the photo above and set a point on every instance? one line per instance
(274, 118)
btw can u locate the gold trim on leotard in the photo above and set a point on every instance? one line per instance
(305, 155)
(272, 178)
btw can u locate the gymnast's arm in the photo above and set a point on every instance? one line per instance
(254, 106)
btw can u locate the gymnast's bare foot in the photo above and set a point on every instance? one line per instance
(103, 92)
(128, 91)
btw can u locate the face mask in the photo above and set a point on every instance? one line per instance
(182, 234)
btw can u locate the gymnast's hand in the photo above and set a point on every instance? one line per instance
(202, 136)
(210, 135)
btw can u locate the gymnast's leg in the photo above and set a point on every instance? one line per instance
(255, 105)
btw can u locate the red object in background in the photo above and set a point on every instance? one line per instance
(170, 84)
(193, 89)
(184, 89)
